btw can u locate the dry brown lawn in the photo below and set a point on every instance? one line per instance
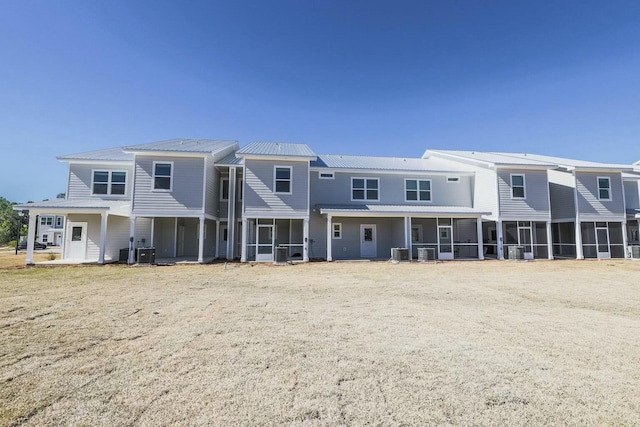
(458, 343)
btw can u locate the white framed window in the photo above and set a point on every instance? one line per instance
(224, 189)
(282, 179)
(336, 232)
(107, 183)
(417, 190)
(46, 220)
(604, 188)
(162, 176)
(58, 221)
(518, 186)
(365, 189)
(453, 179)
(45, 238)
(326, 175)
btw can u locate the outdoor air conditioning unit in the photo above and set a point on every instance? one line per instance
(399, 254)
(426, 254)
(635, 252)
(281, 255)
(516, 253)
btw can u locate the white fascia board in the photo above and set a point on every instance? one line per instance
(94, 162)
(369, 214)
(168, 154)
(602, 169)
(524, 167)
(391, 171)
(267, 215)
(277, 158)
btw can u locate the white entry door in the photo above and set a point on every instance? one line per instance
(445, 242)
(76, 247)
(602, 242)
(264, 250)
(368, 241)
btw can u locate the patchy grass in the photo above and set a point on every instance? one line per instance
(466, 343)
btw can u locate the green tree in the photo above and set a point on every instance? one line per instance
(11, 221)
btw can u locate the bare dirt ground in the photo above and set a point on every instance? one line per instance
(458, 343)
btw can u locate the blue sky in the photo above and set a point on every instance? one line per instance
(389, 78)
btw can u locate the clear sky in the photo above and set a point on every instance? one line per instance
(389, 78)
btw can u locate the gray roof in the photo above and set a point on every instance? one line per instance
(182, 145)
(109, 154)
(380, 163)
(365, 209)
(276, 149)
(492, 158)
(230, 160)
(633, 213)
(572, 163)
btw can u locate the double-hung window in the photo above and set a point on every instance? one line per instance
(517, 187)
(282, 179)
(162, 175)
(46, 220)
(417, 190)
(604, 188)
(109, 182)
(365, 189)
(337, 230)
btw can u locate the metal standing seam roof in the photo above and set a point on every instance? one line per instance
(276, 149)
(182, 145)
(109, 154)
(380, 163)
(495, 158)
(572, 163)
(230, 160)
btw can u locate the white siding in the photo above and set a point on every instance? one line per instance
(117, 237)
(93, 233)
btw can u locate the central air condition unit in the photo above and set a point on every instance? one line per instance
(426, 254)
(399, 254)
(516, 253)
(635, 252)
(281, 255)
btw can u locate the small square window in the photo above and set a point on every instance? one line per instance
(337, 231)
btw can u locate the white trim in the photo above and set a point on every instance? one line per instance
(333, 230)
(153, 176)
(524, 185)
(610, 198)
(331, 175)
(417, 190)
(275, 180)
(109, 183)
(365, 199)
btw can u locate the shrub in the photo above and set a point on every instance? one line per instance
(51, 256)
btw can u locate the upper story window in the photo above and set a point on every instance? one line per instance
(224, 189)
(326, 175)
(517, 187)
(604, 188)
(109, 182)
(162, 175)
(417, 190)
(365, 189)
(282, 178)
(46, 220)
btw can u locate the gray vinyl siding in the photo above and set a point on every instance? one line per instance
(349, 246)
(259, 197)
(80, 176)
(185, 197)
(631, 195)
(211, 202)
(590, 207)
(563, 204)
(117, 237)
(143, 231)
(535, 205)
(164, 237)
(391, 190)
(93, 233)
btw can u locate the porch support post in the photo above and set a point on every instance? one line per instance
(103, 236)
(578, 239)
(243, 250)
(175, 238)
(624, 238)
(201, 241)
(231, 215)
(31, 236)
(329, 237)
(305, 232)
(132, 236)
(407, 235)
(480, 240)
(153, 231)
(549, 240)
(500, 247)
(217, 238)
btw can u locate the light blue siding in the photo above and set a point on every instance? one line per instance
(631, 195)
(184, 199)
(260, 199)
(80, 176)
(536, 203)
(590, 207)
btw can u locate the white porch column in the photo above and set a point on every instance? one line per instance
(500, 247)
(579, 253)
(231, 215)
(201, 241)
(31, 236)
(549, 240)
(175, 237)
(217, 238)
(480, 240)
(153, 231)
(104, 217)
(407, 235)
(305, 232)
(132, 237)
(243, 250)
(624, 238)
(329, 237)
